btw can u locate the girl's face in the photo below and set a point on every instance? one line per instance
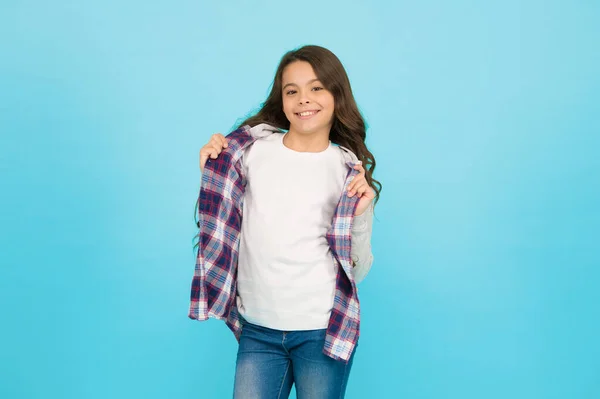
(306, 103)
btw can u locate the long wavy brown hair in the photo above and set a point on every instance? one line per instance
(348, 128)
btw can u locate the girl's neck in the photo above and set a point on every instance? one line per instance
(312, 142)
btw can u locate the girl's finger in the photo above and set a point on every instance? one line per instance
(351, 185)
(206, 151)
(361, 190)
(358, 180)
(360, 186)
(222, 141)
(354, 189)
(219, 140)
(215, 141)
(364, 188)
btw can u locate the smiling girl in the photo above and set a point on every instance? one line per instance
(286, 209)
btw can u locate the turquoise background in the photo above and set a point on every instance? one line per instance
(484, 119)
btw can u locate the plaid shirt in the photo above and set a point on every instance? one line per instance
(213, 292)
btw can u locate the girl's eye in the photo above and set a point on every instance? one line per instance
(317, 88)
(289, 92)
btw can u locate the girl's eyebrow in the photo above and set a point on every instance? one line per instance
(294, 84)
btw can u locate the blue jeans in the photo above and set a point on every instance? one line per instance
(270, 361)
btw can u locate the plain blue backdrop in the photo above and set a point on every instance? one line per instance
(484, 121)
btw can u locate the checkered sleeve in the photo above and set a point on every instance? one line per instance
(344, 323)
(219, 226)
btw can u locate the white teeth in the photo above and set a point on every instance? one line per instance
(307, 113)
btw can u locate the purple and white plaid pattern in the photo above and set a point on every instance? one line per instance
(213, 292)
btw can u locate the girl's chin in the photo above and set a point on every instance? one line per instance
(308, 127)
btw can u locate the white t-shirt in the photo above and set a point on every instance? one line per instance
(286, 272)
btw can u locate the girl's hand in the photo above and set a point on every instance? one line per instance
(212, 149)
(361, 188)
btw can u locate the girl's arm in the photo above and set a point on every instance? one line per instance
(362, 256)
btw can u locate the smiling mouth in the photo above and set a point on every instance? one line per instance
(306, 114)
